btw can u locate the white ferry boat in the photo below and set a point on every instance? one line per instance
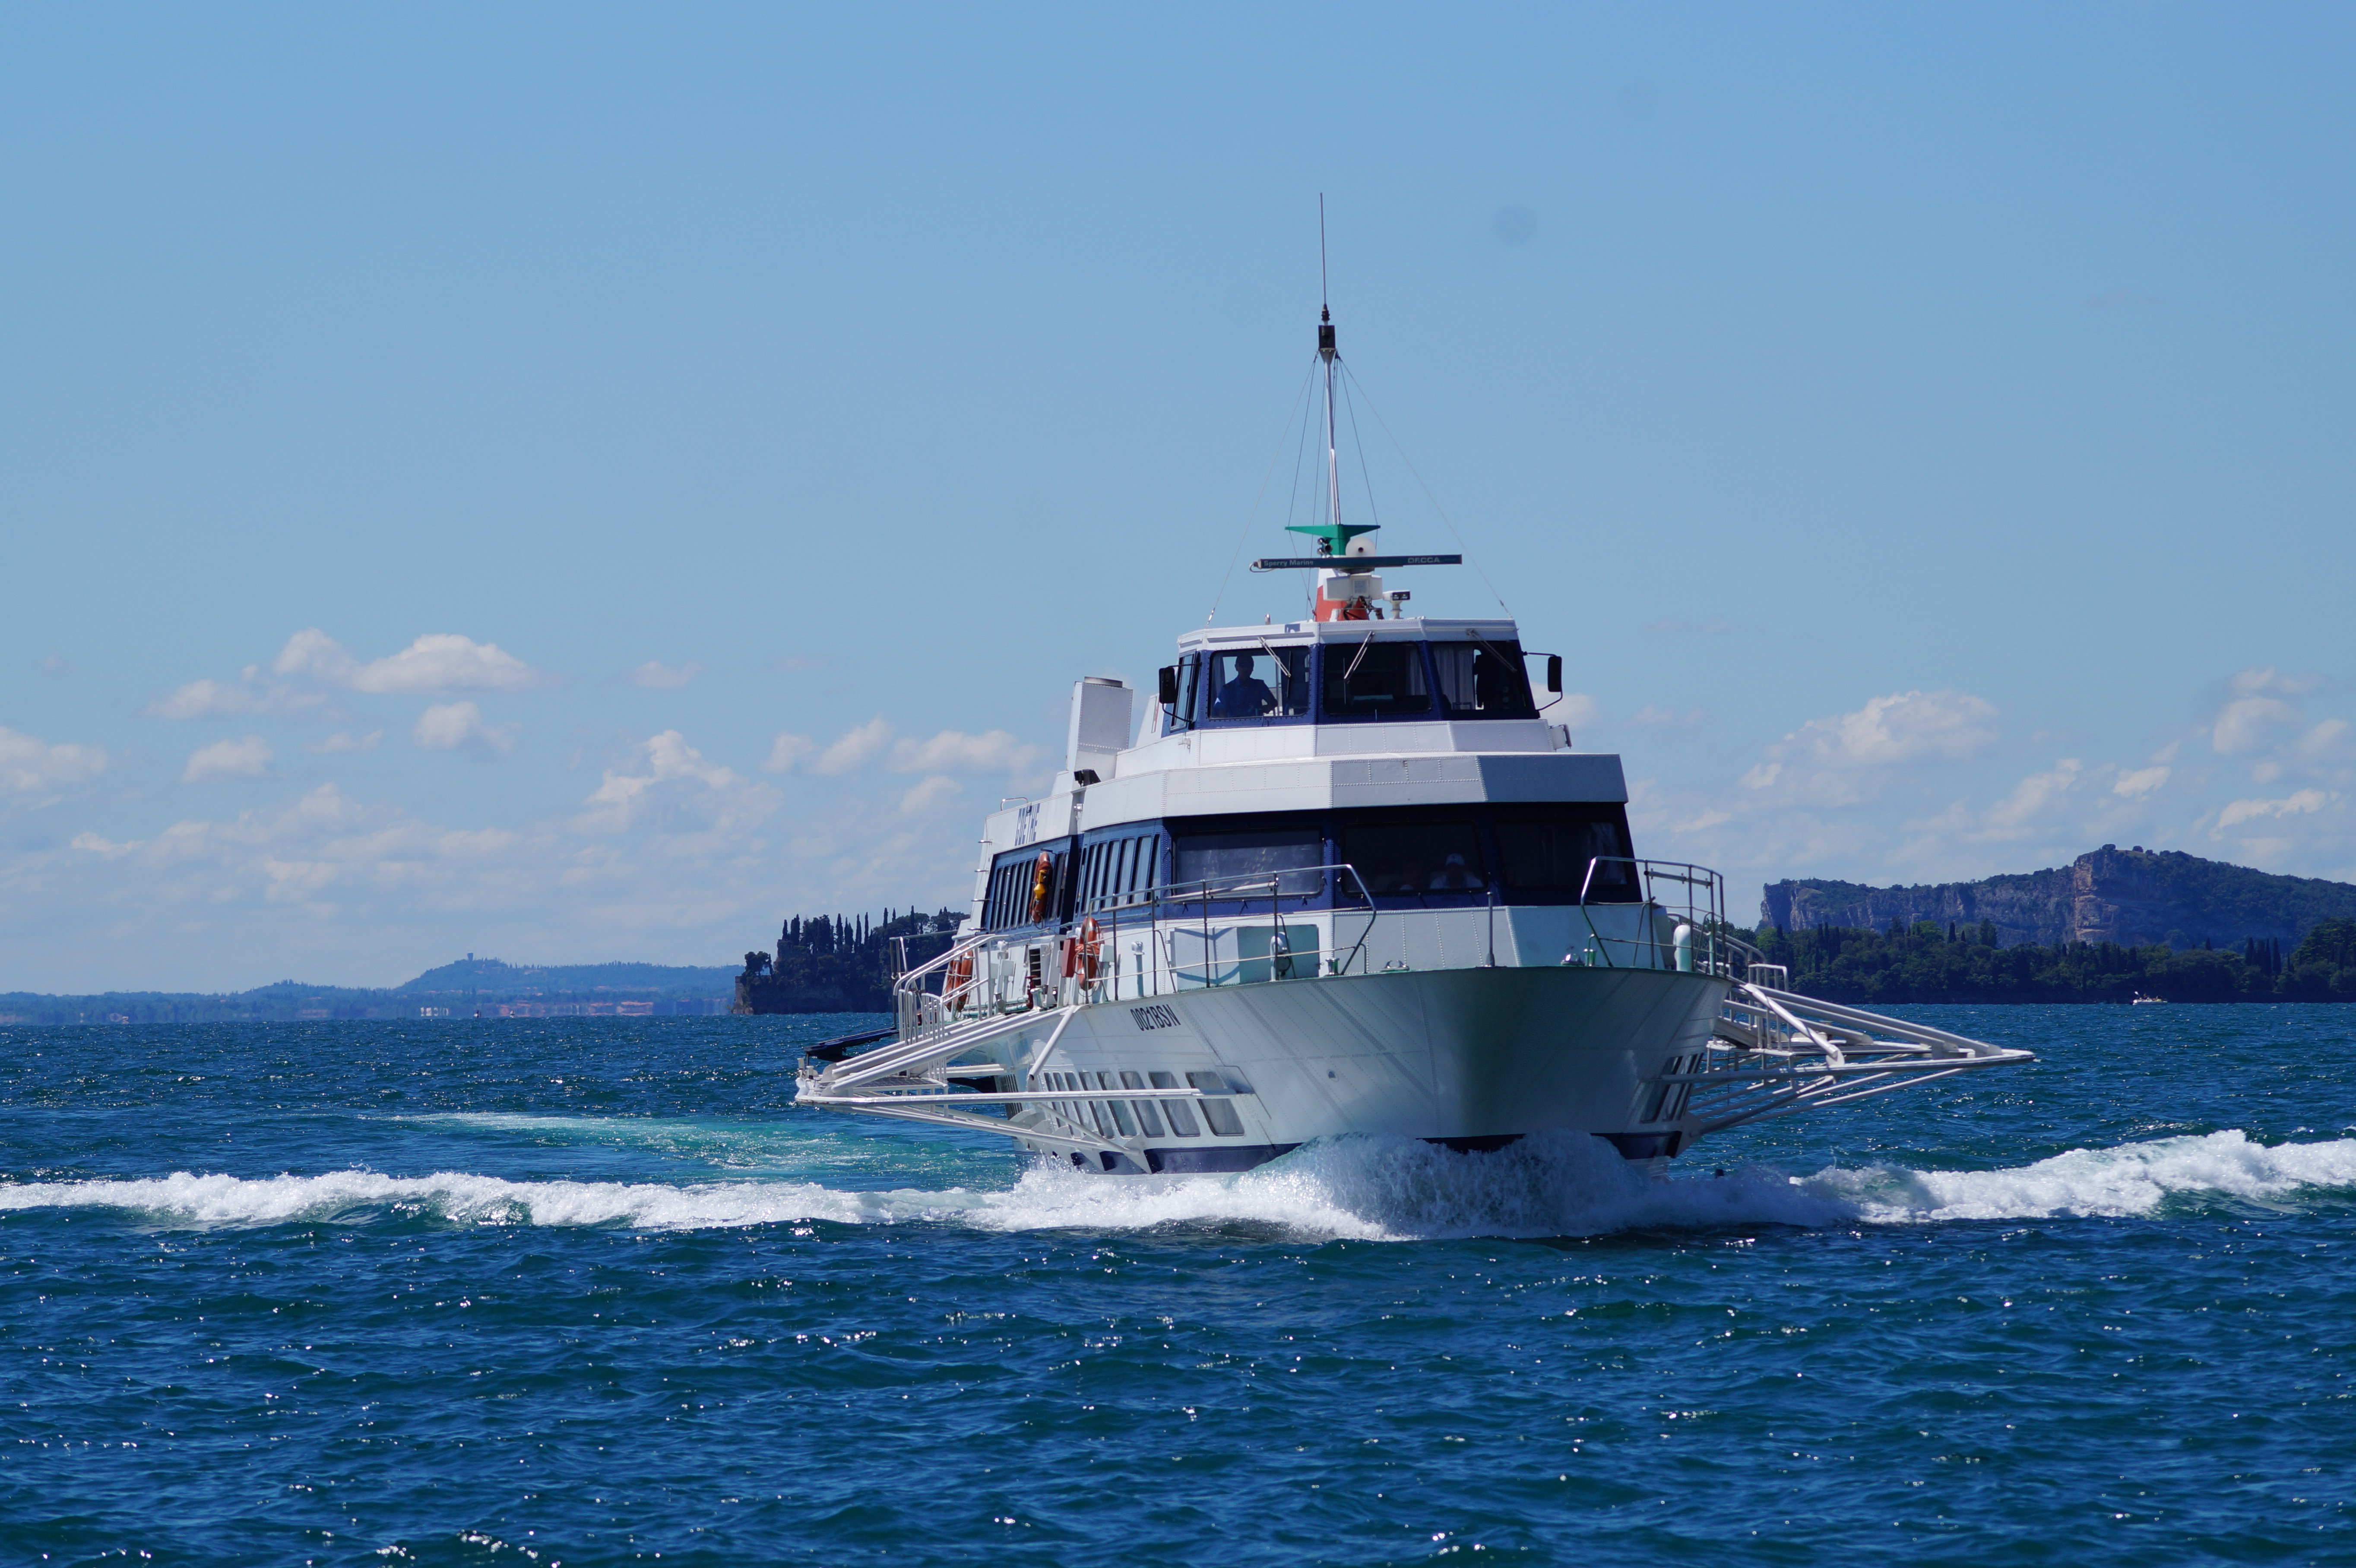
(1347, 877)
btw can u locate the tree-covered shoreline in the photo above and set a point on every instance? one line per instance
(1924, 962)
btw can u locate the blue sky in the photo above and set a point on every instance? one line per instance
(581, 483)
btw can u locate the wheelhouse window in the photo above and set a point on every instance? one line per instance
(1181, 715)
(1373, 679)
(1290, 855)
(1552, 853)
(1416, 857)
(1258, 683)
(1482, 679)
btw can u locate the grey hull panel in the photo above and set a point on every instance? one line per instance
(1468, 1057)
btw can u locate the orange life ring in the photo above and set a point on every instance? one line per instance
(959, 976)
(1091, 948)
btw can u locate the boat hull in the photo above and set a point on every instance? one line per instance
(1473, 1058)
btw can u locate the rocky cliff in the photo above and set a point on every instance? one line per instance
(2133, 897)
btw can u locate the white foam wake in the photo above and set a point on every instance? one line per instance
(1377, 1188)
(2129, 1180)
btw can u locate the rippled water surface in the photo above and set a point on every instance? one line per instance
(594, 1291)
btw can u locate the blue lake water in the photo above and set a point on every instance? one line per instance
(591, 1291)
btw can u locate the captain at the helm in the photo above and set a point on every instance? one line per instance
(1245, 695)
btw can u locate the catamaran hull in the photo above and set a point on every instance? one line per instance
(1473, 1058)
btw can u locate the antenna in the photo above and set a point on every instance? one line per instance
(1324, 294)
(1335, 541)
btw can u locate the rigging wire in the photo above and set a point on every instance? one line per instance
(1299, 458)
(1471, 560)
(1252, 516)
(1358, 441)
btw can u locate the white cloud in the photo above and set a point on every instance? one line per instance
(786, 751)
(219, 699)
(855, 750)
(247, 758)
(929, 794)
(2143, 780)
(1841, 760)
(1575, 709)
(658, 677)
(439, 661)
(727, 799)
(2032, 796)
(2248, 722)
(91, 843)
(1905, 727)
(343, 741)
(26, 763)
(2268, 679)
(995, 752)
(205, 698)
(2321, 741)
(2297, 804)
(448, 726)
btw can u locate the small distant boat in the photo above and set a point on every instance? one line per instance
(2142, 1000)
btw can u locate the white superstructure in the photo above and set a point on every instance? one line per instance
(1347, 877)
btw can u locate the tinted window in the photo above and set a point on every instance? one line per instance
(1415, 856)
(1375, 679)
(1481, 680)
(1015, 883)
(1120, 868)
(1267, 683)
(1279, 852)
(1183, 716)
(1553, 857)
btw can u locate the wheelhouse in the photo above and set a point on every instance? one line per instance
(1362, 672)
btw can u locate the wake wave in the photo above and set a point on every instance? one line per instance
(1376, 1188)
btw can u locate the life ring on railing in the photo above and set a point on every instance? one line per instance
(958, 976)
(1088, 952)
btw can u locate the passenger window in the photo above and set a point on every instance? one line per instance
(1415, 856)
(1146, 1114)
(1373, 679)
(1181, 1113)
(1119, 1108)
(1267, 683)
(1481, 680)
(1554, 856)
(1286, 854)
(1220, 1113)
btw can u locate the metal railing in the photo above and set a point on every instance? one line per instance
(1678, 924)
(1117, 913)
(1775, 1053)
(1698, 938)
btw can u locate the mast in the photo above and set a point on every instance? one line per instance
(1325, 353)
(1343, 593)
